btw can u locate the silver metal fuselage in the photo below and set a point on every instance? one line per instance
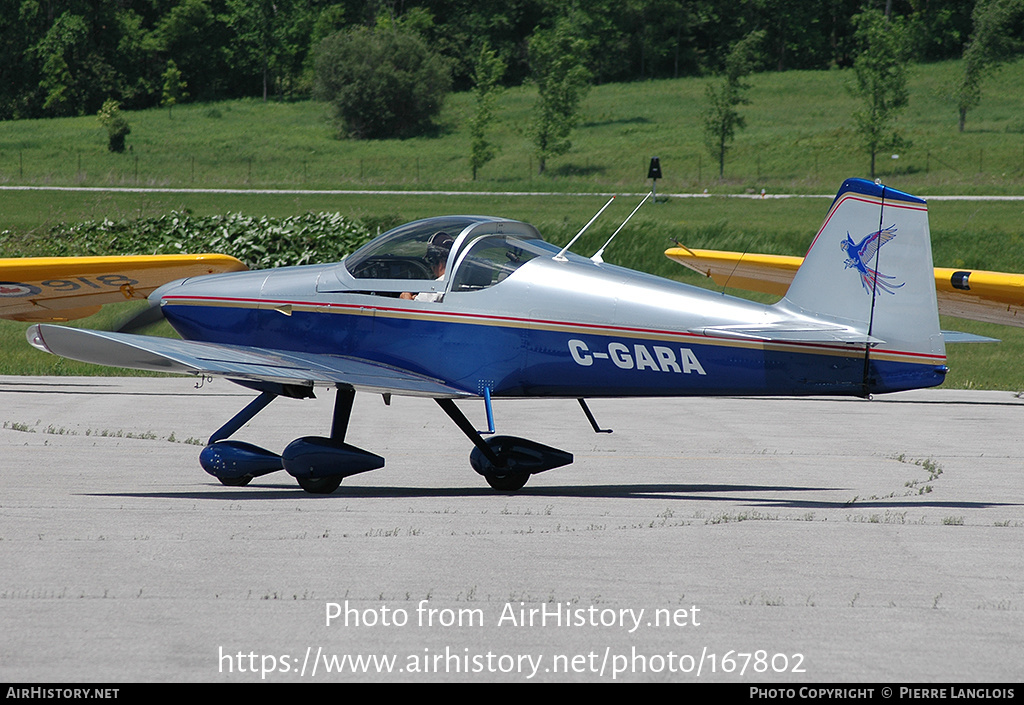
(571, 328)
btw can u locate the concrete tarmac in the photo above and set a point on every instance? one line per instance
(735, 539)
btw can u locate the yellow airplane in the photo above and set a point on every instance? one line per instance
(65, 288)
(993, 297)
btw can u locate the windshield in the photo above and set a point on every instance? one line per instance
(416, 250)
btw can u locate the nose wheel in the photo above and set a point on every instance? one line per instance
(235, 481)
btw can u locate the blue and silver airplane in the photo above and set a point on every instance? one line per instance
(473, 307)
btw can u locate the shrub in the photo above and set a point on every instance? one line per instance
(383, 82)
(261, 243)
(111, 117)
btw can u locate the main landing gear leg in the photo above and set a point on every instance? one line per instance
(506, 462)
(320, 464)
(339, 427)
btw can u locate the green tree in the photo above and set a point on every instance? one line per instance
(271, 39)
(61, 53)
(198, 39)
(996, 38)
(81, 53)
(938, 28)
(880, 71)
(486, 85)
(557, 63)
(255, 23)
(661, 34)
(111, 117)
(721, 115)
(174, 87)
(381, 82)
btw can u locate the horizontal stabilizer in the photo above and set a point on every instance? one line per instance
(781, 333)
(788, 333)
(955, 336)
(979, 295)
(142, 352)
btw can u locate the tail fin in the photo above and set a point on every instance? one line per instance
(870, 267)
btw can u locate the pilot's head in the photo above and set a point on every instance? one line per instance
(438, 247)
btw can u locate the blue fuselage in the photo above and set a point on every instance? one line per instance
(560, 329)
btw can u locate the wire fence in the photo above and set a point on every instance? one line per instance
(743, 166)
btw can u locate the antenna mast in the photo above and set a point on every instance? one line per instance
(560, 257)
(597, 255)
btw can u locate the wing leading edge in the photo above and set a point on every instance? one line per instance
(142, 352)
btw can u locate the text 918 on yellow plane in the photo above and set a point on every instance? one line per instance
(482, 308)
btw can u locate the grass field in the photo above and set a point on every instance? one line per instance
(799, 139)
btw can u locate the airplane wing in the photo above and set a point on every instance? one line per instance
(993, 297)
(769, 274)
(143, 352)
(66, 288)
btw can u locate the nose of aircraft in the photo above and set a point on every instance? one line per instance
(158, 294)
(152, 313)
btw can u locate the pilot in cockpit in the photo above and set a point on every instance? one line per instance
(438, 247)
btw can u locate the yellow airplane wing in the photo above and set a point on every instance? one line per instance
(993, 297)
(769, 274)
(66, 288)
